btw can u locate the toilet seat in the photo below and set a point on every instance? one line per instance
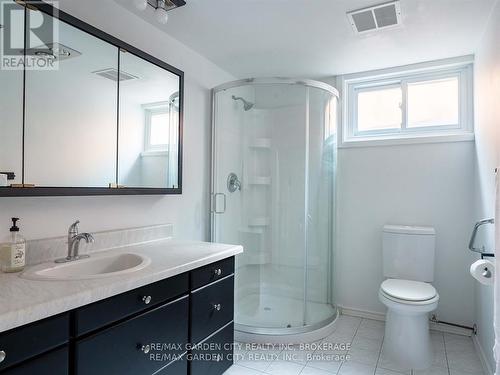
(409, 291)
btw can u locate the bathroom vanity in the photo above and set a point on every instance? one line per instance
(178, 321)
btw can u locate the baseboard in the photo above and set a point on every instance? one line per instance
(482, 356)
(381, 316)
(362, 313)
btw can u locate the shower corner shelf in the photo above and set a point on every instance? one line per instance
(259, 222)
(261, 143)
(260, 257)
(251, 230)
(260, 180)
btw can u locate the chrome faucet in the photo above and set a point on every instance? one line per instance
(74, 239)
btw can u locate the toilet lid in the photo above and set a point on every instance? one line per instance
(408, 290)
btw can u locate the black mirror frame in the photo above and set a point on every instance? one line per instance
(9, 191)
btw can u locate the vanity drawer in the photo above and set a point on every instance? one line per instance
(102, 313)
(53, 363)
(215, 271)
(22, 343)
(119, 349)
(215, 355)
(212, 307)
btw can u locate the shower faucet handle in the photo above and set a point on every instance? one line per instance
(233, 182)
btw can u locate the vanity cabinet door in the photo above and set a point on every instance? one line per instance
(212, 307)
(215, 355)
(53, 363)
(139, 346)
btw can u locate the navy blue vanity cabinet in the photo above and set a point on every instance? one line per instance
(143, 344)
(182, 325)
(178, 367)
(55, 362)
(214, 355)
(102, 313)
(212, 307)
(32, 346)
(212, 272)
(211, 318)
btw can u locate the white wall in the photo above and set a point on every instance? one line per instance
(421, 184)
(42, 217)
(487, 123)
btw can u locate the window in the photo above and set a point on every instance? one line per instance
(432, 102)
(379, 109)
(157, 125)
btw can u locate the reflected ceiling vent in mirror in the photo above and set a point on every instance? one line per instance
(113, 75)
(56, 51)
(377, 17)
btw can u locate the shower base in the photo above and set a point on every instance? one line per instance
(269, 318)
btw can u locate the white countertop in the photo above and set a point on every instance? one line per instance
(24, 301)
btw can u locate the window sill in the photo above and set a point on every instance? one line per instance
(154, 153)
(406, 140)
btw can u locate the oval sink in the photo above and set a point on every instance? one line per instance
(90, 268)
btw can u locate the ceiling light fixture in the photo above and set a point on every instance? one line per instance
(162, 7)
(161, 12)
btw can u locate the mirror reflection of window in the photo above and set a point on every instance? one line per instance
(149, 125)
(157, 124)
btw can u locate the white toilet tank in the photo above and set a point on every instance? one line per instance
(409, 252)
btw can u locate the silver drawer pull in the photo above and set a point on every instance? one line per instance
(2, 355)
(217, 306)
(217, 272)
(145, 349)
(146, 299)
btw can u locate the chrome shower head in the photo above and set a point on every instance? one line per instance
(246, 105)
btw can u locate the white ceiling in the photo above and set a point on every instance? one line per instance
(313, 38)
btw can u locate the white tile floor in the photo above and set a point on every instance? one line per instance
(453, 355)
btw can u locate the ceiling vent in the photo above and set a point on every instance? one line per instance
(377, 17)
(113, 75)
(55, 51)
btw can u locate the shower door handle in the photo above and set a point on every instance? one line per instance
(216, 201)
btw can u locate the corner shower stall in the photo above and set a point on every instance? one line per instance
(273, 191)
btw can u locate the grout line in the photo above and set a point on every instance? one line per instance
(352, 339)
(380, 352)
(446, 355)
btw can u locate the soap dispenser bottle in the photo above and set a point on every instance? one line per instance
(13, 250)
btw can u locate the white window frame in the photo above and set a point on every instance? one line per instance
(150, 110)
(352, 84)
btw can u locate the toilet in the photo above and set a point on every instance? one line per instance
(408, 263)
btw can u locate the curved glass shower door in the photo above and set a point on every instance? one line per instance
(273, 174)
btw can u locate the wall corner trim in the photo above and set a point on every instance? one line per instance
(482, 356)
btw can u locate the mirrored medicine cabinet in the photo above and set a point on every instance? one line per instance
(83, 113)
